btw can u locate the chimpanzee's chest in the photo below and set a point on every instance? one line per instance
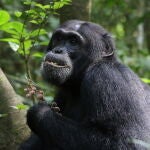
(73, 111)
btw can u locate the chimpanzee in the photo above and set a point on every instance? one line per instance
(103, 104)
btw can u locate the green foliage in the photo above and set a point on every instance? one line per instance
(4, 17)
(122, 19)
(58, 5)
(20, 107)
(21, 39)
(38, 54)
(146, 80)
(25, 30)
(18, 14)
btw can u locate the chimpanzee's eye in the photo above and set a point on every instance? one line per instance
(73, 40)
(59, 38)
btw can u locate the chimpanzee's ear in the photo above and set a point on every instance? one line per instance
(109, 45)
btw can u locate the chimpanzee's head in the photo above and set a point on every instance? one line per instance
(73, 47)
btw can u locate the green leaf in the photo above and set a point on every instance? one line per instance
(47, 6)
(4, 17)
(20, 107)
(120, 30)
(6, 28)
(39, 6)
(10, 40)
(66, 2)
(42, 14)
(31, 12)
(45, 43)
(58, 5)
(37, 32)
(18, 26)
(28, 2)
(13, 28)
(14, 46)
(145, 80)
(38, 55)
(28, 44)
(18, 14)
(34, 22)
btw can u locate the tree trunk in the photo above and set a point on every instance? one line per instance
(13, 129)
(79, 9)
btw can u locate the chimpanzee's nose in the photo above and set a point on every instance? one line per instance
(58, 51)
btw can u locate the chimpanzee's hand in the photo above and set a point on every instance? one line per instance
(55, 107)
(37, 113)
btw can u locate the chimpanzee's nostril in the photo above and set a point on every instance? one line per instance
(58, 51)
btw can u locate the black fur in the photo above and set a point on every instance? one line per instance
(104, 105)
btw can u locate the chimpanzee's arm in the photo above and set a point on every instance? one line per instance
(32, 143)
(65, 133)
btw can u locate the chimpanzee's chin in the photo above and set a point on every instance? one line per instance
(55, 76)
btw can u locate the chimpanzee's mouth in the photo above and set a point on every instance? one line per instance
(55, 64)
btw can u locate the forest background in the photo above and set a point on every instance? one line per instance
(20, 59)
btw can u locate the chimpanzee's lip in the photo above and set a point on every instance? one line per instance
(55, 64)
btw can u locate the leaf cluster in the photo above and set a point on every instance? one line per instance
(21, 38)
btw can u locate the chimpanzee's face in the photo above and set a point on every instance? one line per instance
(64, 50)
(73, 47)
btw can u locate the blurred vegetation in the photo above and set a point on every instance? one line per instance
(127, 21)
